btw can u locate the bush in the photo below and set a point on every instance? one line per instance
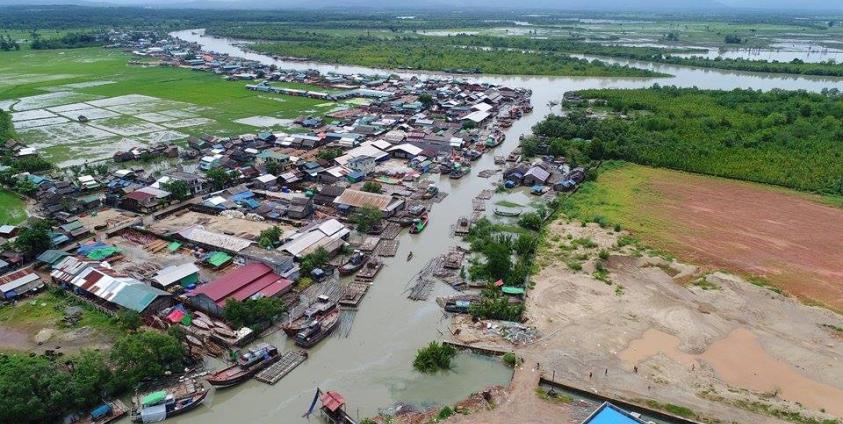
(434, 357)
(510, 359)
(445, 412)
(372, 187)
(531, 221)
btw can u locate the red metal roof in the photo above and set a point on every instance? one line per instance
(139, 196)
(332, 401)
(242, 283)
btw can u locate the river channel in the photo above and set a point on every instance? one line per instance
(372, 366)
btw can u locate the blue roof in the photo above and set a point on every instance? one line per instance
(611, 414)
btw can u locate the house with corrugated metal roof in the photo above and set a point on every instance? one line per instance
(19, 283)
(252, 281)
(113, 291)
(351, 199)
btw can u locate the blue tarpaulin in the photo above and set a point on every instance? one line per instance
(101, 411)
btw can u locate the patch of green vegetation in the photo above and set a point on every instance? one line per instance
(764, 283)
(704, 284)
(677, 410)
(434, 357)
(47, 309)
(508, 204)
(574, 265)
(510, 359)
(759, 407)
(553, 396)
(12, 208)
(585, 242)
(733, 134)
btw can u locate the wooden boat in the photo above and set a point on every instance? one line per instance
(409, 256)
(318, 330)
(248, 364)
(354, 263)
(106, 413)
(458, 172)
(369, 271)
(419, 224)
(225, 332)
(169, 402)
(315, 311)
(200, 323)
(430, 192)
(507, 212)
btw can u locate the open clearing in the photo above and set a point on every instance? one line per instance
(127, 105)
(12, 208)
(791, 239)
(667, 332)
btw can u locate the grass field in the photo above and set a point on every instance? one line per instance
(790, 239)
(192, 103)
(12, 208)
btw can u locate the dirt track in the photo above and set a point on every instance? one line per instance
(706, 349)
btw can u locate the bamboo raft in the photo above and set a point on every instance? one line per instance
(391, 231)
(353, 293)
(463, 226)
(369, 271)
(369, 244)
(478, 204)
(288, 362)
(387, 248)
(485, 194)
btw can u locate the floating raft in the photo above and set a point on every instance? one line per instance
(387, 248)
(369, 244)
(485, 195)
(353, 293)
(391, 231)
(369, 271)
(288, 362)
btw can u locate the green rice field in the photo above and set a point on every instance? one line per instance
(129, 104)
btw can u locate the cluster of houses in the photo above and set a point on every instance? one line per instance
(309, 181)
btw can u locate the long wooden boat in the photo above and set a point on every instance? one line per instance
(318, 330)
(169, 402)
(507, 212)
(248, 364)
(105, 413)
(315, 311)
(354, 263)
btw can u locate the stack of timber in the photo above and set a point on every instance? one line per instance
(275, 372)
(353, 293)
(387, 248)
(370, 270)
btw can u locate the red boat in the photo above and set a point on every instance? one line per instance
(248, 364)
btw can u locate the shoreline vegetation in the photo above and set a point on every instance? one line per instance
(783, 138)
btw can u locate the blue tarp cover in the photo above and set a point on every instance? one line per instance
(101, 411)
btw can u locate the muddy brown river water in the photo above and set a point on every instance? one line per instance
(372, 366)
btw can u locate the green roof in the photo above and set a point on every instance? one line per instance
(172, 247)
(137, 296)
(52, 256)
(218, 258)
(512, 290)
(102, 253)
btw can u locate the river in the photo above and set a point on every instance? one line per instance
(372, 367)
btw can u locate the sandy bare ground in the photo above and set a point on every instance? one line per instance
(792, 240)
(239, 227)
(707, 349)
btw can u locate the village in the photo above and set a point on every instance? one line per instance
(304, 218)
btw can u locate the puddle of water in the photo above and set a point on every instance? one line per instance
(740, 360)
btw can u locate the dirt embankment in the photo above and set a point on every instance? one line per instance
(653, 329)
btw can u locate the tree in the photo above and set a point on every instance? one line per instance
(145, 354)
(270, 237)
(366, 218)
(34, 238)
(91, 379)
(531, 221)
(372, 187)
(252, 313)
(426, 99)
(498, 260)
(31, 390)
(128, 319)
(178, 188)
(26, 187)
(493, 305)
(314, 260)
(329, 154)
(274, 167)
(219, 178)
(434, 357)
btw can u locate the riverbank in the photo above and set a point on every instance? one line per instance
(660, 332)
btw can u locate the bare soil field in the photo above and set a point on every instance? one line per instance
(244, 228)
(793, 240)
(669, 335)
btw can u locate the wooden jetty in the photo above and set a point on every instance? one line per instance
(485, 195)
(387, 248)
(353, 293)
(288, 362)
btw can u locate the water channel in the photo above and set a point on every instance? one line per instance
(372, 366)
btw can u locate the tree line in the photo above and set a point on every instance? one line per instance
(785, 138)
(39, 389)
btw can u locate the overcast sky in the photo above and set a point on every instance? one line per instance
(608, 5)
